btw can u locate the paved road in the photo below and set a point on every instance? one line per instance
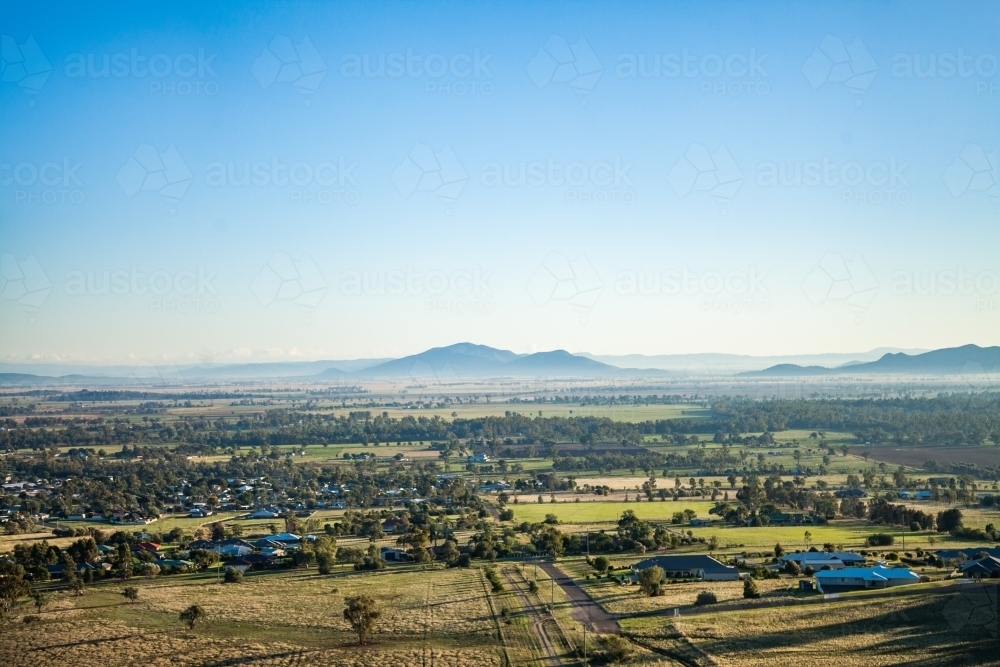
(585, 609)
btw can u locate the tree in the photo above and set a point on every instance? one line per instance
(131, 593)
(706, 597)
(40, 600)
(750, 589)
(218, 531)
(123, 559)
(12, 587)
(232, 576)
(602, 563)
(949, 520)
(361, 611)
(449, 551)
(612, 649)
(192, 615)
(779, 550)
(651, 581)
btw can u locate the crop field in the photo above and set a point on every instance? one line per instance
(932, 628)
(428, 617)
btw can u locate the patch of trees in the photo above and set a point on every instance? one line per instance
(883, 512)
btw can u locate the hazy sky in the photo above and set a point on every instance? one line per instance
(339, 180)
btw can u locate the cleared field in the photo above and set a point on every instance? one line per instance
(983, 456)
(931, 628)
(618, 599)
(428, 617)
(598, 511)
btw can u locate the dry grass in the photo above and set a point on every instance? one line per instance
(890, 630)
(429, 617)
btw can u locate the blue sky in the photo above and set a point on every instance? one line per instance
(385, 210)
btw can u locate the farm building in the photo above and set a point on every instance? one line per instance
(705, 568)
(860, 578)
(837, 560)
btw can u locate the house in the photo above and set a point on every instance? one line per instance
(284, 538)
(146, 546)
(494, 486)
(700, 522)
(783, 519)
(966, 554)
(232, 550)
(174, 562)
(241, 565)
(264, 514)
(837, 560)
(81, 568)
(988, 567)
(393, 555)
(850, 493)
(200, 512)
(861, 578)
(704, 568)
(478, 458)
(260, 561)
(393, 524)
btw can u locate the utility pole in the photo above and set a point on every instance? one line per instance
(552, 593)
(585, 643)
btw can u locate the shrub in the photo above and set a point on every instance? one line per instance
(651, 581)
(233, 576)
(192, 615)
(750, 589)
(880, 540)
(131, 593)
(706, 597)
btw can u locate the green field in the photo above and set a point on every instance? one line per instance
(598, 511)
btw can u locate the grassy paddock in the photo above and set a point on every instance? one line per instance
(434, 616)
(932, 628)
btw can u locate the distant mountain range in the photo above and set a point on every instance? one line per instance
(465, 361)
(468, 361)
(964, 360)
(715, 363)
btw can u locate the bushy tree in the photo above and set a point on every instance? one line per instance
(362, 612)
(750, 589)
(192, 615)
(651, 581)
(232, 576)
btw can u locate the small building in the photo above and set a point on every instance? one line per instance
(393, 524)
(837, 560)
(285, 538)
(700, 567)
(700, 522)
(861, 578)
(983, 568)
(393, 555)
(478, 458)
(850, 493)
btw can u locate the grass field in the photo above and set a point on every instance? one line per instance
(597, 511)
(429, 617)
(932, 628)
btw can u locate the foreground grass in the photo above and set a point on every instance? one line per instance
(933, 628)
(434, 615)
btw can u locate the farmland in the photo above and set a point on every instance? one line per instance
(439, 616)
(954, 628)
